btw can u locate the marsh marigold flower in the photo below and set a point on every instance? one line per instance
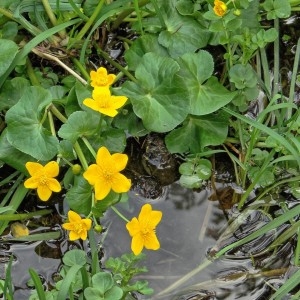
(220, 8)
(78, 227)
(101, 78)
(42, 179)
(105, 174)
(103, 102)
(142, 230)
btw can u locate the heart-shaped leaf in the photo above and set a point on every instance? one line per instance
(197, 133)
(160, 97)
(24, 129)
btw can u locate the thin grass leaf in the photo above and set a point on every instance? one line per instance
(280, 139)
(291, 283)
(67, 281)
(8, 285)
(36, 237)
(34, 42)
(38, 284)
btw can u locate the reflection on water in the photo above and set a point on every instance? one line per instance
(191, 230)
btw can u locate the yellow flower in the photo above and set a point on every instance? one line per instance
(220, 8)
(42, 179)
(105, 174)
(101, 78)
(142, 230)
(78, 227)
(104, 102)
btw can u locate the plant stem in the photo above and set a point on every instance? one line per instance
(90, 22)
(115, 64)
(31, 74)
(80, 155)
(18, 217)
(119, 214)
(82, 69)
(57, 113)
(89, 146)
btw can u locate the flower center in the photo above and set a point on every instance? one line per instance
(146, 232)
(102, 81)
(78, 228)
(43, 179)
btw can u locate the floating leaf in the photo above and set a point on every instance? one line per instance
(18, 230)
(24, 130)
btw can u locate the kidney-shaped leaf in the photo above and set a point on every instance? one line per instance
(160, 97)
(24, 130)
(197, 133)
(206, 94)
(9, 50)
(79, 123)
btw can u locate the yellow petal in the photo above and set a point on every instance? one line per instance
(73, 236)
(108, 111)
(44, 192)
(149, 217)
(53, 185)
(120, 161)
(111, 78)
(31, 183)
(118, 101)
(101, 93)
(73, 217)
(91, 104)
(120, 183)
(151, 242)
(51, 169)
(91, 174)
(103, 156)
(68, 226)
(83, 235)
(102, 189)
(137, 244)
(87, 223)
(33, 168)
(133, 227)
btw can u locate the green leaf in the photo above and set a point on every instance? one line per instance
(74, 257)
(205, 98)
(11, 156)
(79, 123)
(146, 43)
(190, 182)
(9, 49)
(277, 9)
(103, 281)
(183, 34)
(24, 130)
(197, 133)
(203, 169)
(79, 197)
(11, 92)
(243, 76)
(187, 168)
(159, 97)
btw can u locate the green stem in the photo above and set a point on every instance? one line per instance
(90, 22)
(125, 13)
(80, 155)
(57, 113)
(51, 123)
(119, 214)
(276, 60)
(31, 74)
(115, 64)
(81, 68)
(89, 146)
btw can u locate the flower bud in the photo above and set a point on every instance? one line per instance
(76, 169)
(98, 228)
(237, 12)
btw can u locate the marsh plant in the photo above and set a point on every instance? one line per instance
(190, 70)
